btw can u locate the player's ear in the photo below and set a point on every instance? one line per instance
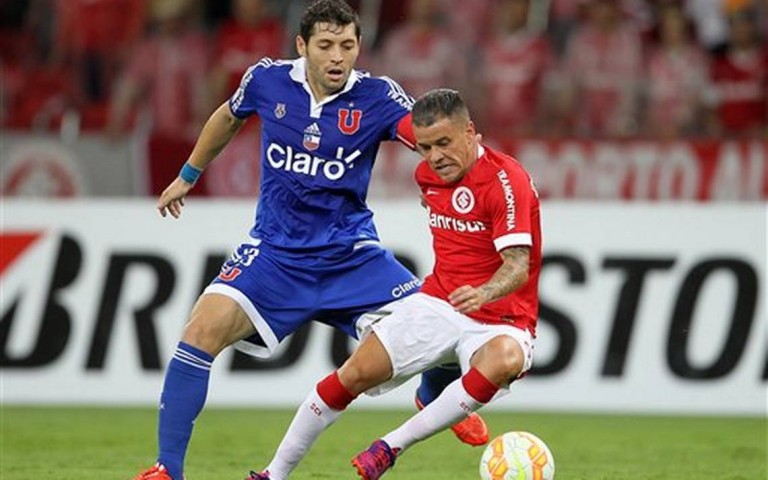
(471, 131)
(301, 46)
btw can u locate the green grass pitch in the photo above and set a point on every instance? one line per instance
(105, 443)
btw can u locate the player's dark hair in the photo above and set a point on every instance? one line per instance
(334, 12)
(438, 104)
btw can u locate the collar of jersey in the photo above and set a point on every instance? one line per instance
(299, 75)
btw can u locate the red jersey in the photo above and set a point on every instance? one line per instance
(513, 70)
(99, 26)
(676, 82)
(239, 46)
(493, 207)
(605, 68)
(420, 60)
(174, 70)
(740, 82)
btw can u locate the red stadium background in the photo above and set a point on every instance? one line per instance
(643, 122)
(633, 99)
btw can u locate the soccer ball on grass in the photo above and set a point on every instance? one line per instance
(517, 456)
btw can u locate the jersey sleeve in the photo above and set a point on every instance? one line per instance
(405, 132)
(510, 198)
(396, 106)
(244, 101)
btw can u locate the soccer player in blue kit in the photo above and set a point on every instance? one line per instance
(313, 253)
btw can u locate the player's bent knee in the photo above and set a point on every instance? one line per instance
(215, 323)
(500, 360)
(357, 377)
(368, 367)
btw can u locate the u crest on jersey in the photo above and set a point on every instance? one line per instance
(349, 120)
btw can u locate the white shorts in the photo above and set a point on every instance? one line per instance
(421, 331)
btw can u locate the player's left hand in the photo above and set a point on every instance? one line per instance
(468, 299)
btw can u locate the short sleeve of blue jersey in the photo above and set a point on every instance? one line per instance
(397, 105)
(245, 99)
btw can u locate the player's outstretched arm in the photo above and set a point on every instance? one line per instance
(511, 275)
(172, 198)
(215, 135)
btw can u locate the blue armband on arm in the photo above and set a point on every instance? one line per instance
(189, 173)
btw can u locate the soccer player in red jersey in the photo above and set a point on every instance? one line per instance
(676, 78)
(602, 68)
(514, 65)
(739, 79)
(478, 307)
(251, 33)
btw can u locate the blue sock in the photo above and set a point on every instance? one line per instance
(183, 397)
(434, 381)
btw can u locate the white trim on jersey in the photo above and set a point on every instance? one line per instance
(265, 62)
(397, 93)
(365, 243)
(299, 71)
(236, 99)
(513, 240)
(256, 319)
(299, 74)
(406, 142)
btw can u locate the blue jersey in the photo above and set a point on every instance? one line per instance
(317, 158)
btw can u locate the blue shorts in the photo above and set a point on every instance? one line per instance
(280, 291)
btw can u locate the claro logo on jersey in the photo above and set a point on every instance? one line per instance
(437, 220)
(288, 159)
(404, 288)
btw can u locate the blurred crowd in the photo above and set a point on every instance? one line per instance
(531, 68)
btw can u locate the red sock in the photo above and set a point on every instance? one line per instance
(479, 387)
(333, 393)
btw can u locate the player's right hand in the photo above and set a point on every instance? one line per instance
(468, 299)
(172, 198)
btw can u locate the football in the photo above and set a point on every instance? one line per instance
(517, 456)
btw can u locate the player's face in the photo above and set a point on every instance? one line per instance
(449, 145)
(331, 54)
